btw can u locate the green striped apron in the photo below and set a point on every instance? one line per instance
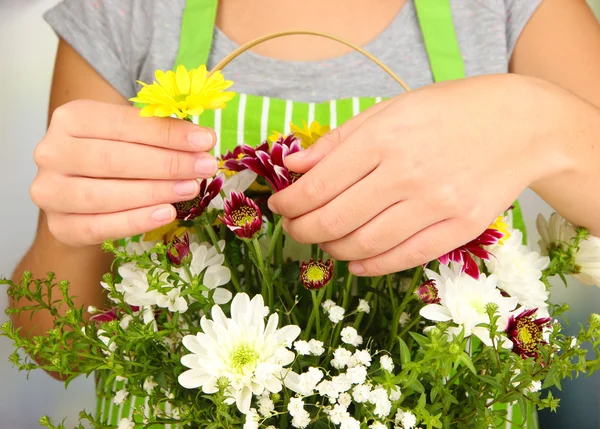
(250, 119)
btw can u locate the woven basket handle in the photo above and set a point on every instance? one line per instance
(260, 40)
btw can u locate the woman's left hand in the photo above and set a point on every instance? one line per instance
(417, 176)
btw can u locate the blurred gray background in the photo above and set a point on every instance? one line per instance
(27, 48)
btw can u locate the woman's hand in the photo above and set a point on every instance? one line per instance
(104, 172)
(415, 177)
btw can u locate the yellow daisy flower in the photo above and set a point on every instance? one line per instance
(183, 93)
(166, 232)
(500, 225)
(308, 135)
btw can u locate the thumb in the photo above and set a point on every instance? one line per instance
(301, 162)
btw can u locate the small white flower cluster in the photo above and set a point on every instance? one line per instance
(206, 260)
(312, 347)
(335, 393)
(335, 312)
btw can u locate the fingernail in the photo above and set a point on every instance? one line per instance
(161, 215)
(356, 269)
(270, 205)
(206, 166)
(186, 188)
(201, 139)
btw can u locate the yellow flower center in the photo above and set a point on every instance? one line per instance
(244, 357)
(243, 216)
(529, 334)
(315, 273)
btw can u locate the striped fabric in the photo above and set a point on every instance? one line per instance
(251, 119)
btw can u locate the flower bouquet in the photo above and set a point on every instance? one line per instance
(222, 320)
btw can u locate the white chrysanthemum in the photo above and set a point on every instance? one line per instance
(120, 396)
(172, 300)
(206, 259)
(125, 423)
(107, 341)
(240, 349)
(558, 232)
(363, 306)
(350, 336)
(302, 347)
(463, 300)
(139, 247)
(134, 285)
(336, 313)
(316, 347)
(239, 181)
(519, 271)
(386, 363)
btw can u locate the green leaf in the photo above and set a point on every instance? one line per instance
(404, 352)
(464, 359)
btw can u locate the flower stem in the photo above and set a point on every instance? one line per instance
(388, 280)
(275, 238)
(360, 316)
(215, 241)
(317, 297)
(338, 327)
(407, 298)
(267, 287)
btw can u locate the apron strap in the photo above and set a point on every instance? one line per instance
(437, 27)
(197, 28)
(446, 61)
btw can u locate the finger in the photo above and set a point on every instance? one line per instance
(423, 247)
(391, 227)
(88, 229)
(97, 120)
(345, 213)
(110, 159)
(347, 164)
(303, 161)
(83, 195)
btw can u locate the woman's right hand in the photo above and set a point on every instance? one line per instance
(105, 172)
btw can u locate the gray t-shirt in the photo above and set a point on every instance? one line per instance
(127, 40)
